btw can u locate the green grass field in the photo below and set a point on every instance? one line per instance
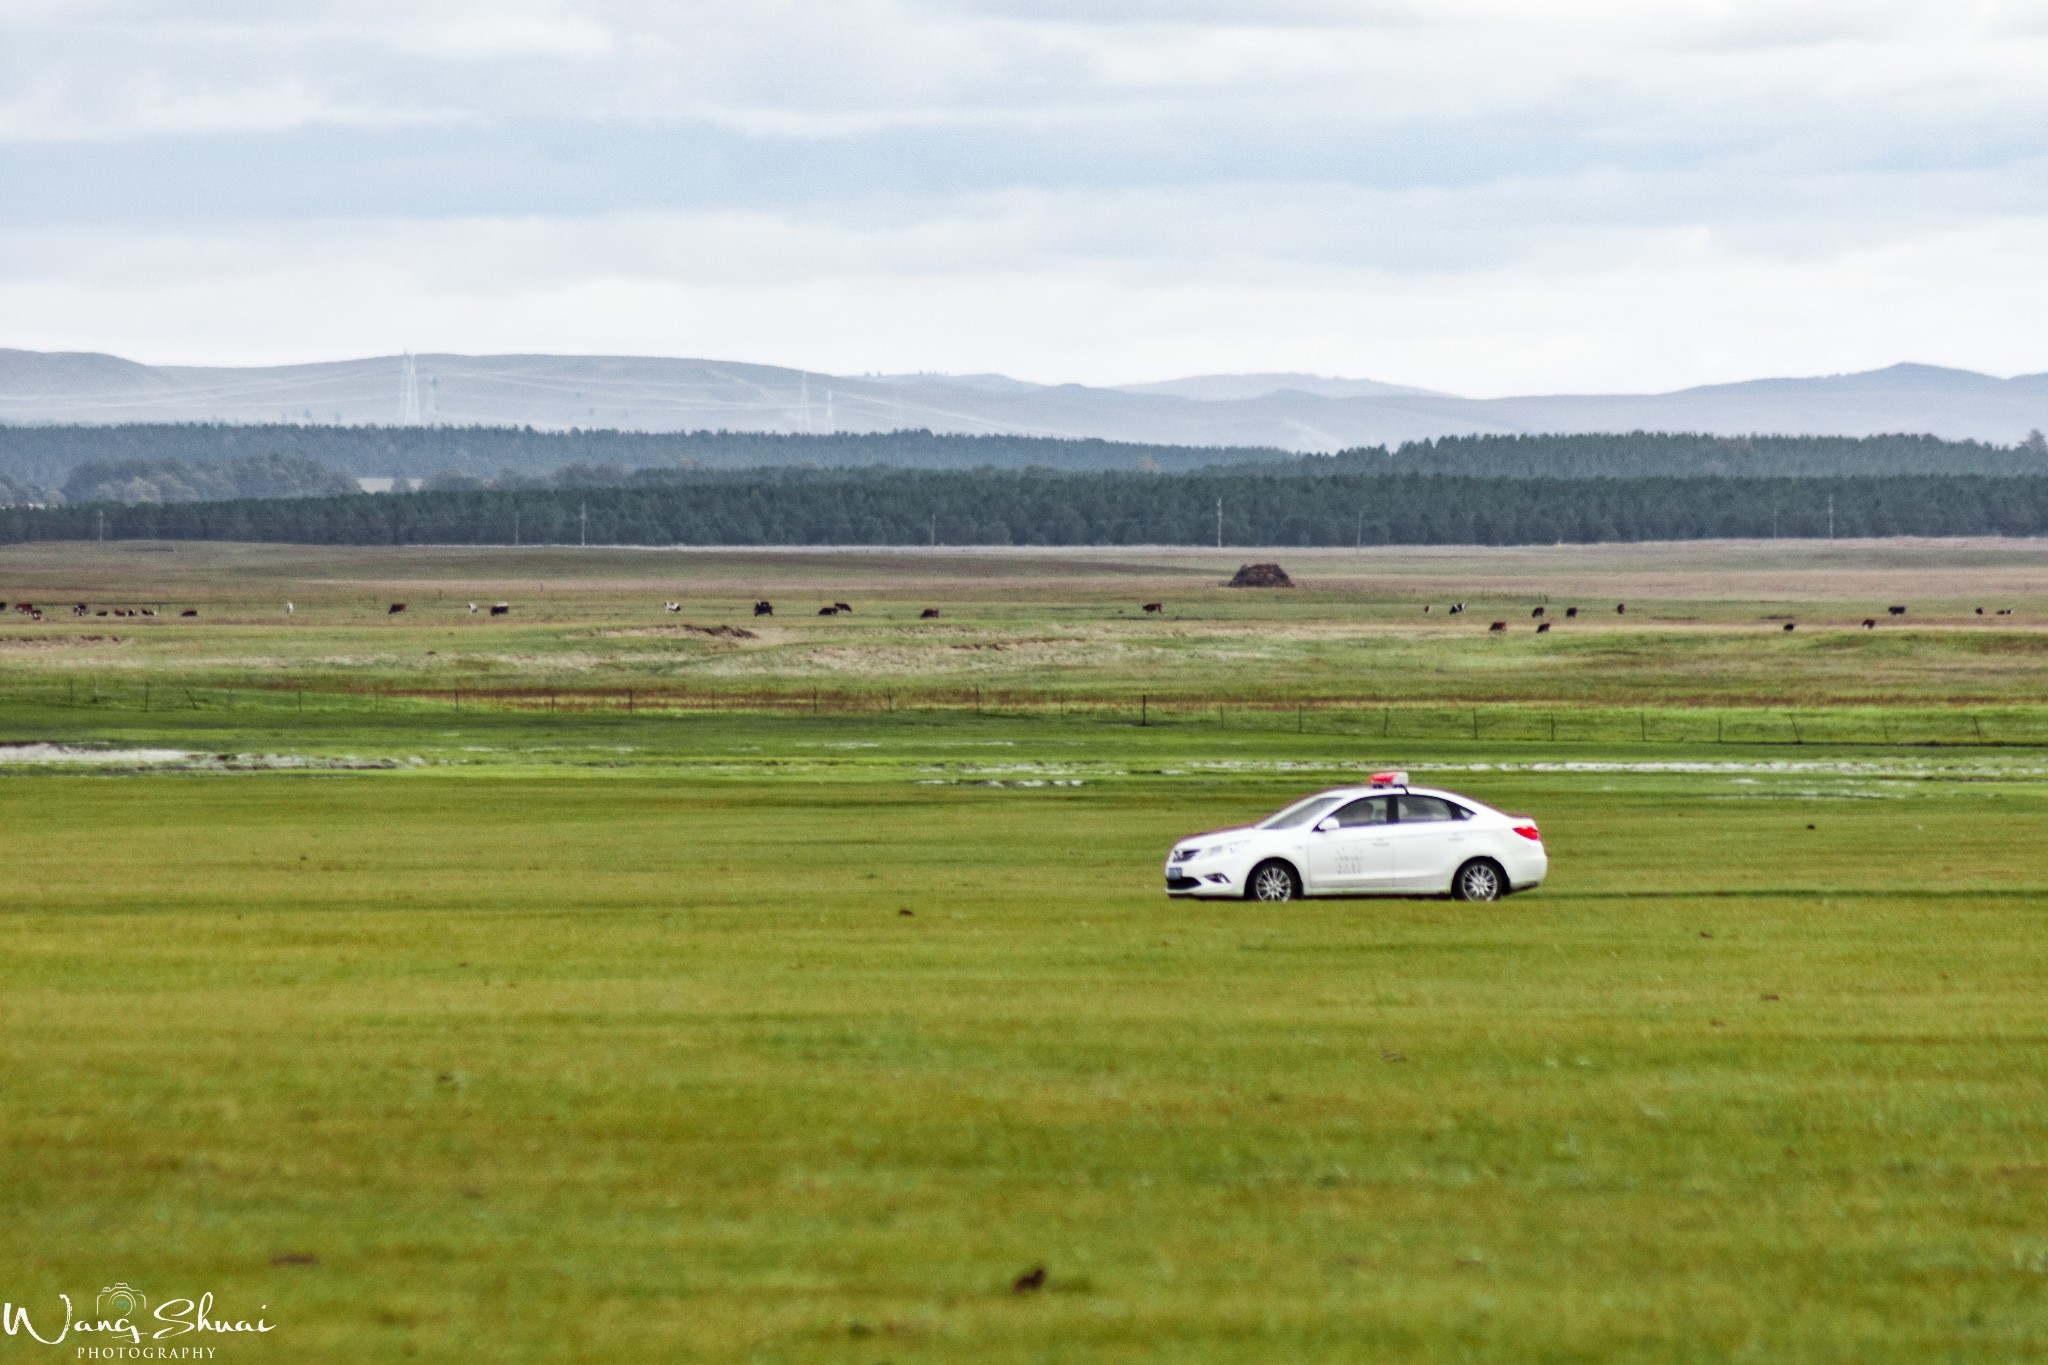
(577, 1034)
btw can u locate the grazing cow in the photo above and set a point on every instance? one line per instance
(1457, 609)
(1571, 613)
(1155, 606)
(289, 609)
(1870, 623)
(1896, 611)
(764, 608)
(81, 610)
(1497, 625)
(473, 608)
(99, 613)
(188, 612)
(149, 611)
(1425, 608)
(928, 614)
(1543, 627)
(843, 607)
(1621, 608)
(2005, 611)
(1536, 615)
(24, 607)
(1788, 627)
(672, 607)
(1980, 611)
(501, 609)
(828, 611)
(396, 607)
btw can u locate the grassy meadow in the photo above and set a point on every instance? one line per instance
(543, 988)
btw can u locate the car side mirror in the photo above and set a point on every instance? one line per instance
(1326, 824)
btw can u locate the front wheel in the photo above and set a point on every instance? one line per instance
(1478, 880)
(1273, 881)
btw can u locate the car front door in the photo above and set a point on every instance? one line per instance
(1429, 842)
(1351, 849)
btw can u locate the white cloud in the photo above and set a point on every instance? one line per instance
(1483, 195)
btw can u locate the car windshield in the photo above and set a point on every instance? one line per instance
(1300, 813)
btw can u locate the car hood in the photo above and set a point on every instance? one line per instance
(1213, 836)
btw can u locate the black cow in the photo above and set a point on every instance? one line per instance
(1621, 608)
(1896, 611)
(1788, 627)
(396, 607)
(764, 608)
(1155, 606)
(843, 607)
(1870, 623)
(1571, 613)
(1543, 627)
(1498, 625)
(188, 612)
(1536, 615)
(928, 614)
(502, 609)
(828, 611)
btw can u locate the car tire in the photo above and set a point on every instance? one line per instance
(1479, 880)
(1272, 881)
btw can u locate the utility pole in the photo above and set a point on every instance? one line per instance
(103, 524)
(1360, 545)
(935, 530)
(583, 525)
(515, 527)
(1219, 523)
(1831, 516)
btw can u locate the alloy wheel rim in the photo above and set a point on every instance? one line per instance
(1480, 883)
(1274, 886)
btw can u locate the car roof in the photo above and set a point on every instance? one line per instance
(1402, 791)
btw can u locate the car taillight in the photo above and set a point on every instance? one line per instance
(1530, 832)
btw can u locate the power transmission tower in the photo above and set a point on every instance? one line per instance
(409, 393)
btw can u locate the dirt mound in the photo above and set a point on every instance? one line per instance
(681, 631)
(1260, 576)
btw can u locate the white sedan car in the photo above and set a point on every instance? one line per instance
(1385, 839)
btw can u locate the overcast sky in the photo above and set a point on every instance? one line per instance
(1486, 196)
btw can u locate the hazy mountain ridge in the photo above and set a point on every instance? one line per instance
(656, 394)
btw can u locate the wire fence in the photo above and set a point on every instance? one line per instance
(1502, 723)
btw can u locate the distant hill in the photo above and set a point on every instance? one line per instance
(1283, 411)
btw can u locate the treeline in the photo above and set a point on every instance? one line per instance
(46, 456)
(1643, 454)
(994, 508)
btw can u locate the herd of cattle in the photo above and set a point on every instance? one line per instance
(767, 608)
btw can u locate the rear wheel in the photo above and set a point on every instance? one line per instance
(1274, 881)
(1479, 880)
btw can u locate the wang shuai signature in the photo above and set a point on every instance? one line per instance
(119, 1315)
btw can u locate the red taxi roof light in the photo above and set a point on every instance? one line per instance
(1392, 778)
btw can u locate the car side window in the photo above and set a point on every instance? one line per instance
(1369, 810)
(1418, 809)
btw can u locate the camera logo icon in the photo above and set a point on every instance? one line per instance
(117, 1300)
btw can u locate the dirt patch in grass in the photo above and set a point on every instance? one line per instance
(59, 641)
(682, 632)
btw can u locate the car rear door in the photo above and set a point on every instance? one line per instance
(1353, 849)
(1431, 838)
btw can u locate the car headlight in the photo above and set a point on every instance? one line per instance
(1218, 850)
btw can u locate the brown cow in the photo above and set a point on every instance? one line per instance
(1498, 625)
(1870, 623)
(396, 607)
(1543, 627)
(928, 614)
(188, 612)
(1155, 606)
